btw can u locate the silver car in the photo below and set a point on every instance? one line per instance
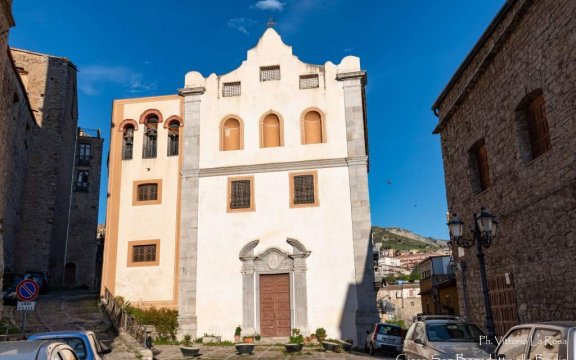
(445, 338)
(384, 337)
(36, 350)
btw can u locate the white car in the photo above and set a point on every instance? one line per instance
(445, 338)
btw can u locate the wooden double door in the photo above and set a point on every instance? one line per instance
(275, 305)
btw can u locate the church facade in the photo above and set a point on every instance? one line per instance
(243, 199)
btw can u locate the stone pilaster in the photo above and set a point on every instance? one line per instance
(300, 293)
(187, 319)
(354, 102)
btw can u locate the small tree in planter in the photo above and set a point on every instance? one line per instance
(320, 334)
(296, 342)
(186, 347)
(237, 333)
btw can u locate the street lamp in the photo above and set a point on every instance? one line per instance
(484, 231)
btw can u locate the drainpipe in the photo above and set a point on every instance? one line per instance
(70, 206)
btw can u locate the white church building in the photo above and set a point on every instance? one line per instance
(243, 199)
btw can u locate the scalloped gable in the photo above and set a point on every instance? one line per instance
(270, 43)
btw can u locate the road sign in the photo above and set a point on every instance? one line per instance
(27, 290)
(26, 306)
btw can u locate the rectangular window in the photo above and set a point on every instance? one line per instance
(268, 73)
(81, 183)
(231, 89)
(144, 253)
(304, 189)
(538, 127)
(241, 194)
(84, 153)
(480, 170)
(147, 192)
(309, 81)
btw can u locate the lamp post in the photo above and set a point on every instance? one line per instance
(482, 235)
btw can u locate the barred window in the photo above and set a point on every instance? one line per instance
(303, 189)
(268, 73)
(240, 194)
(144, 253)
(147, 192)
(309, 81)
(231, 89)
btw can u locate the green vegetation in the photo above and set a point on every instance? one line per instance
(390, 240)
(320, 334)
(296, 337)
(396, 321)
(164, 320)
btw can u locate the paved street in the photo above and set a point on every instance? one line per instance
(79, 310)
(261, 352)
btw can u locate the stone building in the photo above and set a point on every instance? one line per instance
(38, 144)
(508, 134)
(82, 263)
(233, 201)
(399, 301)
(438, 290)
(17, 126)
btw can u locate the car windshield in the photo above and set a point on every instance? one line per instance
(453, 332)
(388, 330)
(76, 344)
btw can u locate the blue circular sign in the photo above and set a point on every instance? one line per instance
(27, 290)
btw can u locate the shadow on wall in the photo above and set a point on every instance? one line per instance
(360, 311)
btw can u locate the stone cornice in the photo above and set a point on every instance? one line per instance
(353, 75)
(191, 91)
(273, 167)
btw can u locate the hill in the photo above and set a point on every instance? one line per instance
(402, 239)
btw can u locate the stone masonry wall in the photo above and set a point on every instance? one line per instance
(533, 48)
(82, 240)
(52, 92)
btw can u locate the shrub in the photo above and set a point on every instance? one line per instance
(320, 334)
(238, 331)
(164, 320)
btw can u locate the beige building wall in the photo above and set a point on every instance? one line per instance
(146, 285)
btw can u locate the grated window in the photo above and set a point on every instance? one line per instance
(144, 253)
(240, 194)
(268, 73)
(231, 89)
(309, 81)
(147, 192)
(303, 189)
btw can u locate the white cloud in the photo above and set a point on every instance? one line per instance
(241, 24)
(92, 77)
(274, 5)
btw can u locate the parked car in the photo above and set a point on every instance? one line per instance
(445, 337)
(384, 337)
(85, 343)
(547, 340)
(36, 350)
(9, 296)
(41, 279)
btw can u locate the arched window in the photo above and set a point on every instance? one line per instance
(312, 132)
(173, 137)
(231, 135)
(150, 144)
(271, 131)
(127, 142)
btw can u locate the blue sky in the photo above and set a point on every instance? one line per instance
(410, 49)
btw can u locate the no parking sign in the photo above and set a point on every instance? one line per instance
(27, 290)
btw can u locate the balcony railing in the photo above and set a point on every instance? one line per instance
(437, 279)
(84, 160)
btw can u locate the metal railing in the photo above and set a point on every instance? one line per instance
(121, 319)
